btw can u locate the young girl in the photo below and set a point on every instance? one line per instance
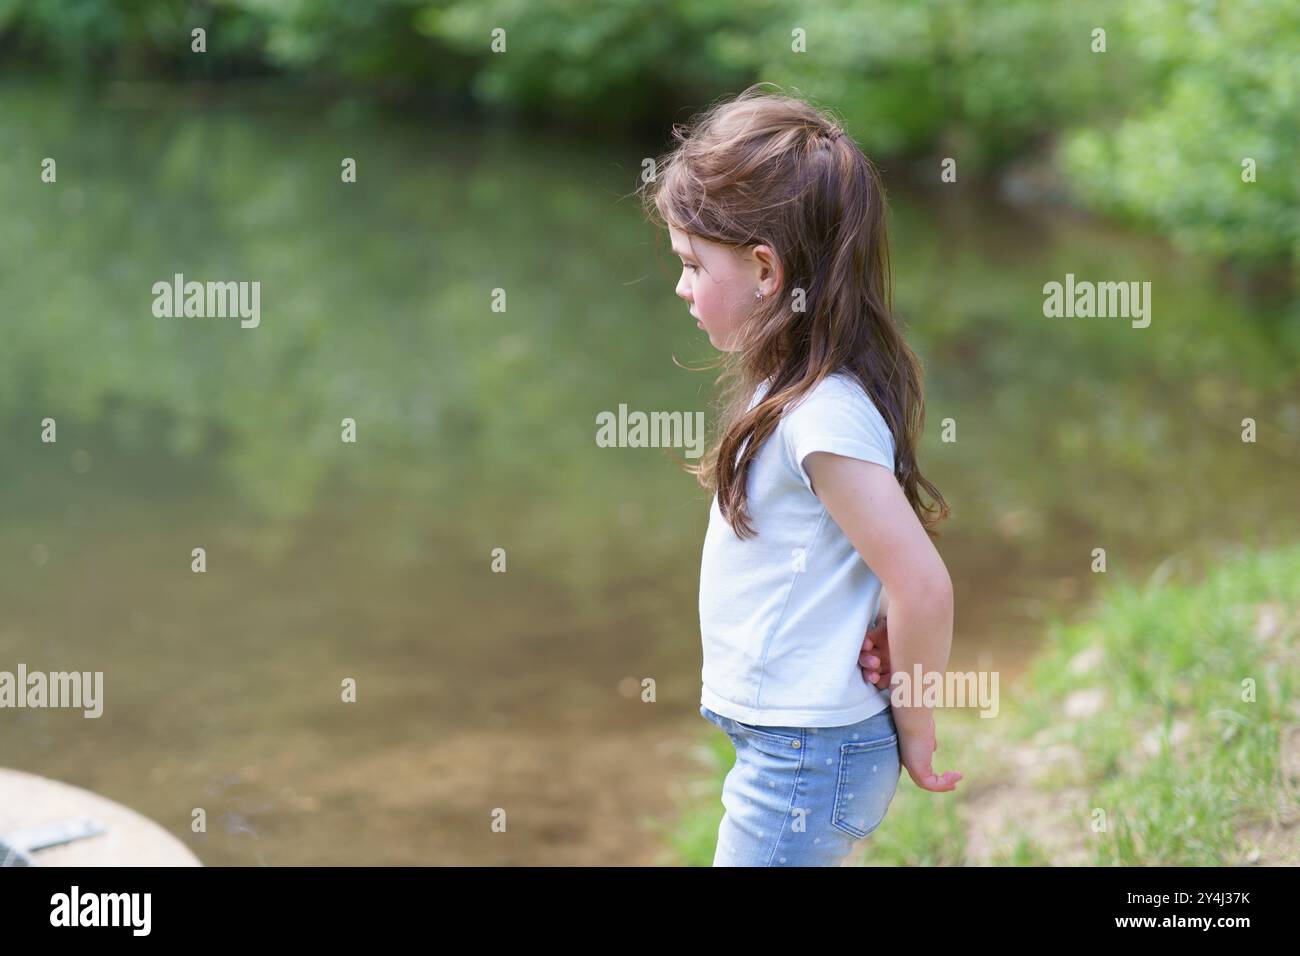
(779, 220)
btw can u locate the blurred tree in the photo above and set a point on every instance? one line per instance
(1229, 90)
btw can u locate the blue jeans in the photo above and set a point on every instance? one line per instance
(804, 796)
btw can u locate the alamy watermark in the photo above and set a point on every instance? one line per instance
(1127, 300)
(212, 300)
(945, 689)
(80, 689)
(651, 430)
(75, 908)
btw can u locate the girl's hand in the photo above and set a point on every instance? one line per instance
(875, 666)
(916, 750)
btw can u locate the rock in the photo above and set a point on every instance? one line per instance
(1084, 703)
(27, 800)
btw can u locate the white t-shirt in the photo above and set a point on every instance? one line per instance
(783, 615)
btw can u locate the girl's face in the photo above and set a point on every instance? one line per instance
(718, 283)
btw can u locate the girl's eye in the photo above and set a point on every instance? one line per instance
(687, 265)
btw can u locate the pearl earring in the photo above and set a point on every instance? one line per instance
(758, 294)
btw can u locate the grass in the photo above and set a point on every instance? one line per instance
(1162, 729)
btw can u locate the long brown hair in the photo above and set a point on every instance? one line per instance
(770, 168)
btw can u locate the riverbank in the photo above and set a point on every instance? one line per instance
(1163, 729)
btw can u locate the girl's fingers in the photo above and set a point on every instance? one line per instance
(940, 783)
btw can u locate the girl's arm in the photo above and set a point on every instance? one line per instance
(867, 502)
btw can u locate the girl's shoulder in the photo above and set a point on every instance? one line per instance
(838, 403)
(838, 384)
(837, 415)
(840, 389)
(843, 383)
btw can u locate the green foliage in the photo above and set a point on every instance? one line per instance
(980, 80)
(1155, 127)
(1184, 760)
(616, 62)
(1230, 90)
(104, 37)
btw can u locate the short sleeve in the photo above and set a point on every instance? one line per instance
(838, 417)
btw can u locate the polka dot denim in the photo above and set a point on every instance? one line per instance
(804, 796)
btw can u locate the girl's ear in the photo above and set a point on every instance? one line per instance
(768, 274)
